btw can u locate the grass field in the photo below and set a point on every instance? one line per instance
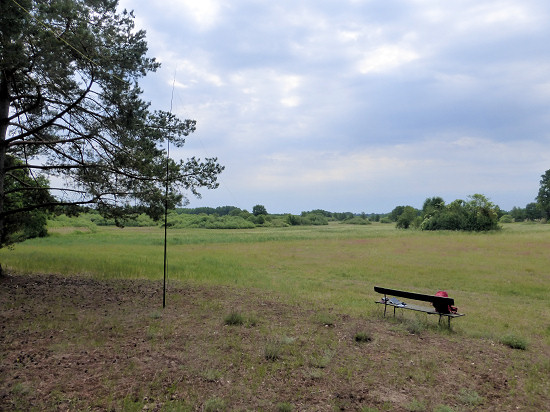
(274, 319)
(500, 280)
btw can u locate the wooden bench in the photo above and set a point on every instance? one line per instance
(439, 301)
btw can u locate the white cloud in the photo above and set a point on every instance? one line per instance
(386, 58)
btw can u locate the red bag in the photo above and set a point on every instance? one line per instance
(445, 308)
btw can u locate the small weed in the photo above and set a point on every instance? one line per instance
(284, 407)
(19, 389)
(212, 375)
(314, 374)
(325, 319)
(234, 319)
(321, 361)
(470, 397)
(273, 350)
(251, 321)
(214, 405)
(514, 342)
(363, 337)
(156, 315)
(416, 406)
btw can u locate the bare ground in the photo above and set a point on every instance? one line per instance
(75, 343)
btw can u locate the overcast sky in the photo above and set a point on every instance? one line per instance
(357, 105)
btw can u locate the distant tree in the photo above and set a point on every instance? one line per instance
(432, 205)
(71, 107)
(533, 211)
(543, 197)
(407, 218)
(259, 210)
(518, 214)
(396, 212)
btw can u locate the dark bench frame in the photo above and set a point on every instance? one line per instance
(439, 300)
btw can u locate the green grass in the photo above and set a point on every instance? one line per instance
(500, 280)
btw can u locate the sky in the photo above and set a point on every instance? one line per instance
(356, 105)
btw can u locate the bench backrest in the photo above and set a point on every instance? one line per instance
(441, 300)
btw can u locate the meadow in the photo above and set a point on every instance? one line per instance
(274, 319)
(501, 280)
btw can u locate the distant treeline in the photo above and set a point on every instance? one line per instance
(475, 214)
(260, 210)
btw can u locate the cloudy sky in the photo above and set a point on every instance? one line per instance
(357, 105)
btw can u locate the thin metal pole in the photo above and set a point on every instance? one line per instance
(166, 202)
(165, 229)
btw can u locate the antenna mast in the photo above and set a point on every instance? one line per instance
(166, 201)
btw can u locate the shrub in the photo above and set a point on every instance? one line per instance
(273, 350)
(506, 219)
(363, 337)
(514, 342)
(234, 319)
(357, 221)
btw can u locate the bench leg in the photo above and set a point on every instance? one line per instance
(448, 317)
(385, 305)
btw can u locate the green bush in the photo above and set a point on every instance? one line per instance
(357, 221)
(478, 214)
(514, 342)
(234, 319)
(506, 219)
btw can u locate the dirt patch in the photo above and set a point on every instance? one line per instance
(73, 343)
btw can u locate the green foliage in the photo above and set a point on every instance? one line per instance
(307, 219)
(220, 211)
(407, 218)
(396, 212)
(234, 319)
(23, 224)
(259, 210)
(357, 221)
(470, 397)
(543, 197)
(518, 214)
(478, 214)
(273, 350)
(506, 219)
(363, 337)
(533, 211)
